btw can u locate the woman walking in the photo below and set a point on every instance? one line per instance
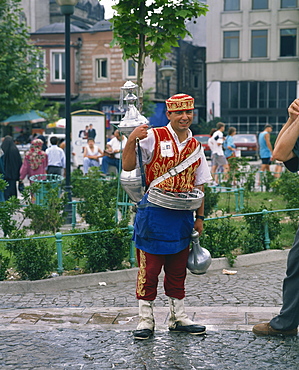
(12, 164)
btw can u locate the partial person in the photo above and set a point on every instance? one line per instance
(35, 161)
(265, 148)
(74, 163)
(286, 149)
(162, 236)
(217, 155)
(229, 145)
(91, 132)
(2, 199)
(112, 153)
(12, 163)
(56, 158)
(91, 155)
(44, 140)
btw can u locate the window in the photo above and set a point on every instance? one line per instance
(259, 4)
(101, 69)
(288, 42)
(38, 62)
(259, 43)
(131, 68)
(58, 66)
(231, 44)
(254, 103)
(258, 94)
(288, 3)
(231, 5)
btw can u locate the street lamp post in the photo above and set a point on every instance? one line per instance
(167, 72)
(67, 9)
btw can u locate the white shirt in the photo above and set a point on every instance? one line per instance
(117, 145)
(202, 174)
(56, 156)
(218, 139)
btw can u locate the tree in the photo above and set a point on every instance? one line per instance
(21, 78)
(151, 28)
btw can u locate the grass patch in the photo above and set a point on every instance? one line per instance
(272, 201)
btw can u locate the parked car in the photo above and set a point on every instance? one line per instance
(203, 139)
(247, 144)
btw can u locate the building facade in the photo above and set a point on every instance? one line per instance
(98, 70)
(252, 62)
(41, 13)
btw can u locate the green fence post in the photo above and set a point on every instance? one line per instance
(266, 229)
(58, 237)
(241, 190)
(132, 248)
(74, 211)
(261, 178)
(237, 200)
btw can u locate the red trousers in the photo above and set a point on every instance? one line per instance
(150, 266)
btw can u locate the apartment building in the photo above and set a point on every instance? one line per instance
(252, 62)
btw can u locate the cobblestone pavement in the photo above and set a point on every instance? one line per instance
(90, 328)
(82, 349)
(256, 285)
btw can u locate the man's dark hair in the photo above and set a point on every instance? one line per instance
(53, 140)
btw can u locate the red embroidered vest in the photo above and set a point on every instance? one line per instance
(182, 182)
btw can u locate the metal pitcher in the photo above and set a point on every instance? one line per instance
(199, 258)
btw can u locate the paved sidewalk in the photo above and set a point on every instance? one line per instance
(80, 323)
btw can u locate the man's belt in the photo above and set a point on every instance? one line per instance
(179, 201)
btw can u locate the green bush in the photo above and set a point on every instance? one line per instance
(4, 262)
(211, 200)
(33, 258)
(49, 216)
(105, 250)
(7, 210)
(287, 186)
(221, 237)
(102, 251)
(255, 238)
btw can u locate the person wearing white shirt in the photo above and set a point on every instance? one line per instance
(91, 155)
(217, 154)
(56, 157)
(112, 153)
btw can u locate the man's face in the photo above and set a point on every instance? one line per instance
(180, 120)
(90, 143)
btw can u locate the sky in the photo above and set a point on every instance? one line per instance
(108, 10)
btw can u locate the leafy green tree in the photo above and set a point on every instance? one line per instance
(144, 29)
(21, 79)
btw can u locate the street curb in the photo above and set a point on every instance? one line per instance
(113, 277)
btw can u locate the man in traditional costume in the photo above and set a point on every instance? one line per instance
(162, 236)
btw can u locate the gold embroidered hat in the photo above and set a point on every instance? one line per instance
(180, 102)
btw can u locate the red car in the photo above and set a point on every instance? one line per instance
(248, 145)
(203, 139)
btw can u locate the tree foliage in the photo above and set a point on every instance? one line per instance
(21, 79)
(151, 28)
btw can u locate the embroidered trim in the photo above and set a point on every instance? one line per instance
(141, 274)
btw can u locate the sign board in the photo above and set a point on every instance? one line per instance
(79, 138)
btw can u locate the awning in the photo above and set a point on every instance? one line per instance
(32, 117)
(58, 124)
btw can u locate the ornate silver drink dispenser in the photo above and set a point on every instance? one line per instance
(199, 258)
(132, 118)
(131, 181)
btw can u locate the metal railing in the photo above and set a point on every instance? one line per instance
(59, 236)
